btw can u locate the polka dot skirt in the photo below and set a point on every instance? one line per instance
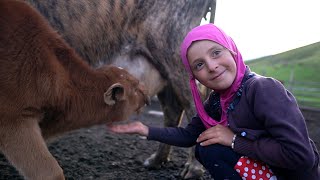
(250, 169)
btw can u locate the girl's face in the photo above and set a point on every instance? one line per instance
(212, 64)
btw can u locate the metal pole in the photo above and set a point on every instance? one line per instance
(213, 10)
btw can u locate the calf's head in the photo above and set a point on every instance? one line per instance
(125, 96)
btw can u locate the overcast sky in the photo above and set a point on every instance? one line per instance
(266, 27)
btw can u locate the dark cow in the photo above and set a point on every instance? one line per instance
(142, 36)
(46, 89)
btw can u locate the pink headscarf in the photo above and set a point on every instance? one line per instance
(213, 33)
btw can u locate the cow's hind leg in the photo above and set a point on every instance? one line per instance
(192, 168)
(22, 144)
(172, 116)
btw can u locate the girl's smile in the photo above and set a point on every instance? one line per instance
(219, 75)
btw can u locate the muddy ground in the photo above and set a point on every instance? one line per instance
(94, 153)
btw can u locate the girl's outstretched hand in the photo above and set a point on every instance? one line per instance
(135, 127)
(216, 135)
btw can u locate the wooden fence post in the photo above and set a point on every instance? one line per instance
(291, 82)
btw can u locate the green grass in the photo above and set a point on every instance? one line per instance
(298, 65)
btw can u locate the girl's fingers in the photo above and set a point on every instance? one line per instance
(131, 128)
(206, 136)
(116, 128)
(122, 128)
(217, 134)
(209, 142)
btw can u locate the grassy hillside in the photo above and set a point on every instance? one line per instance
(298, 69)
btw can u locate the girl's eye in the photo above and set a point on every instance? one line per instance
(198, 66)
(216, 53)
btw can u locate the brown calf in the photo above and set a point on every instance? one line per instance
(47, 89)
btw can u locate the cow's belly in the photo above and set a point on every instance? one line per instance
(139, 67)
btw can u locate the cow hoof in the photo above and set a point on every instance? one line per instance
(155, 161)
(192, 171)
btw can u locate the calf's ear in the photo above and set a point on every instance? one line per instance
(114, 93)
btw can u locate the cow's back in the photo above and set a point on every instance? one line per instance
(99, 30)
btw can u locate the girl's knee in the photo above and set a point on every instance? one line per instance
(219, 160)
(211, 153)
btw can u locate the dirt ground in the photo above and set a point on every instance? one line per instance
(94, 153)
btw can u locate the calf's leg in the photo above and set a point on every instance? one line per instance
(23, 145)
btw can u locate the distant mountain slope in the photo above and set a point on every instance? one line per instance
(303, 62)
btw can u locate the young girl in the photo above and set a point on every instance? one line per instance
(250, 127)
